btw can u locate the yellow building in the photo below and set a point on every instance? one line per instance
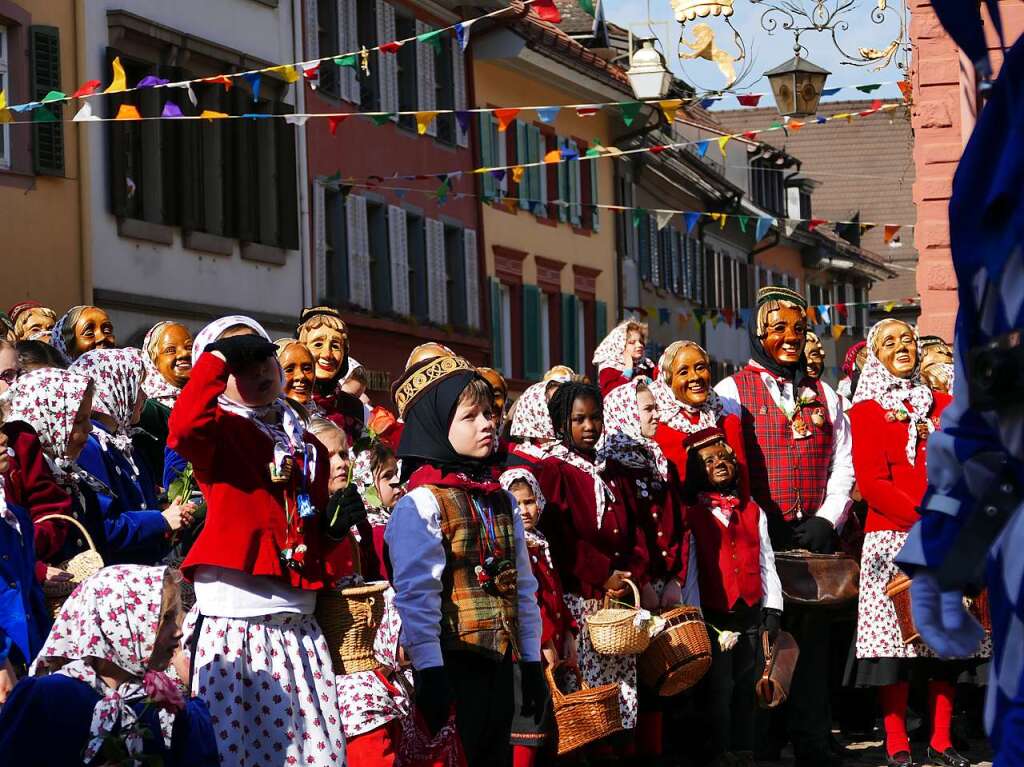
(40, 208)
(550, 254)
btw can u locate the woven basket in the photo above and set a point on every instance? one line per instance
(612, 630)
(349, 619)
(679, 656)
(582, 717)
(898, 591)
(81, 566)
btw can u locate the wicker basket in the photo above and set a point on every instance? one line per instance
(349, 619)
(81, 566)
(679, 656)
(898, 590)
(582, 717)
(613, 630)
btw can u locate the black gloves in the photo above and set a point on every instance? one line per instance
(535, 692)
(771, 622)
(239, 351)
(433, 696)
(345, 510)
(815, 534)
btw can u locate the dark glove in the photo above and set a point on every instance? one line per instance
(815, 534)
(771, 622)
(535, 692)
(240, 351)
(345, 510)
(433, 697)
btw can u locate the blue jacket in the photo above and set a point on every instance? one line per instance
(174, 464)
(24, 619)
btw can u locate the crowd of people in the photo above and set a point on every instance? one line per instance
(174, 515)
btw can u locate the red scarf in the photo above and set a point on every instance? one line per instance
(431, 475)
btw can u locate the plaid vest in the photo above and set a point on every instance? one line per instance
(787, 476)
(472, 619)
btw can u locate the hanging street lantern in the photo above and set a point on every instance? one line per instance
(648, 75)
(797, 86)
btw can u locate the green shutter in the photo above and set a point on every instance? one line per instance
(531, 333)
(563, 185)
(497, 342)
(600, 320)
(487, 154)
(569, 334)
(48, 131)
(595, 222)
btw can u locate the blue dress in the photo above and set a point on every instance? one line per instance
(24, 619)
(131, 528)
(40, 708)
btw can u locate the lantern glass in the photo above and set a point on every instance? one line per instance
(797, 86)
(648, 76)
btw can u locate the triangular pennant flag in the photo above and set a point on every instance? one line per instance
(790, 224)
(715, 317)
(637, 218)
(348, 60)
(889, 306)
(743, 222)
(83, 115)
(191, 93)
(209, 114)
(587, 111)
(830, 91)
(744, 317)
(462, 118)
(587, 6)
(838, 330)
(701, 147)
(547, 115)
(43, 115)
(875, 106)
(547, 11)
(517, 173)
(462, 34)
(380, 118)
(171, 110)
(795, 125)
(119, 83)
(812, 315)
(311, 71)
(254, 80)
(432, 38)
(763, 226)
(224, 80)
(669, 107)
(423, 120)
(840, 310)
(720, 218)
(814, 223)
(499, 174)
(663, 217)
(691, 219)
(390, 47)
(128, 112)
(727, 315)
(334, 121)
(593, 151)
(823, 314)
(698, 314)
(553, 156)
(287, 71)
(722, 141)
(629, 111)
(505, 116)
(820, 120)
(664, 315)
(869, 88)
(907, 89)
(86, 89)
(53, 96)
(658, 149)
(750, 135)
(890, 232)
(749, 100)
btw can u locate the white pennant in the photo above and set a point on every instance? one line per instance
(663, 217)
(299, 120)
(84, 114)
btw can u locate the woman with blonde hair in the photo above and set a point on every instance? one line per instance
(619, 358)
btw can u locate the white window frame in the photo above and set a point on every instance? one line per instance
(5, 128)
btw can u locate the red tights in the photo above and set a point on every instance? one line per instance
(893, 699)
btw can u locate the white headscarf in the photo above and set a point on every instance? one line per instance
(117, 375)
(893, 393)
(531, 422)
(610, 351)
(622, 440)
(533, 537)
(671, 410)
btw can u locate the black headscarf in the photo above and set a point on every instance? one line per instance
(427, 421)
(560, 407)
(760, 355)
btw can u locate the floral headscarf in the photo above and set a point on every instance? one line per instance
(671, 411)
(366, 484)
(533, 537)
(113, 616)
(48, 400)
(118, 376)
(608, 353)
(532, 422)
(879, 385)
(212, 332)
(155, 385)
(622, 440)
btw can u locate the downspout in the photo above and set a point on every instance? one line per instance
(306, 254)
(472, 137)
(82, 134)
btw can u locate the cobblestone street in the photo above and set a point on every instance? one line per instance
(871, 753)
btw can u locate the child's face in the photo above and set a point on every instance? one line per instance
(337, 447)
(719, 463)
(257, 384)
(80, 429)
(472, 430)
(635, 345)
(587, 422)
(389, 489)
(527, 501)
(648, 408)
(355, 388)
(169, 634)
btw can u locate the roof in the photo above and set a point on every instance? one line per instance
(575, 20)
(863, 165)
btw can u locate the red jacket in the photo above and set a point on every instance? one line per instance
(245, 520)
(585, 554)
(660, 512)
(610, 378)
(728, 556)
(555, 617)
(32, 487)
(890, 486)
(671, 442)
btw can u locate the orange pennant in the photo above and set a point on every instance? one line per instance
(505, 117)
(837, 330)
(128, 112)
(890, 232)
(517, 173)
(209, 114)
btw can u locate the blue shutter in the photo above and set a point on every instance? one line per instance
(531, 333)
(497, 341)
(569, 334)
(600, 320)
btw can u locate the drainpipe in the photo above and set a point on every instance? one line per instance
(305, 248)
(83, 134)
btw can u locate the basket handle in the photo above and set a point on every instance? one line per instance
(549, 673)
(76, 523)
(636, 594)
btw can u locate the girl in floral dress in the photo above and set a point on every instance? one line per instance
(619, 358)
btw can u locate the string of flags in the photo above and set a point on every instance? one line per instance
(754, 99)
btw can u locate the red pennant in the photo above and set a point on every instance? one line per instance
(841, 308)
(749, 100)
(335, 121)
(548, 11)
(222, 79)
(750, 135)
(391, 47)
(87, 89)
(814, 223)
(875, 106)
(587, 111)
(505, 116)
(658, 149)
(312, 73)
(728, 314)
(907, 89)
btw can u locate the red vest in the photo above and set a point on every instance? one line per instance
(728, 557)
(787, 475)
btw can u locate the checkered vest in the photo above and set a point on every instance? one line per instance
(787, 476)
(472, 619)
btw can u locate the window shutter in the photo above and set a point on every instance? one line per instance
(312, 24)
(652, 237)
(48, 137)
(643, 235)
(575, 199)
(426, 77)
(500, 141)
(569, 332)
(387, 64)
(531, 333)
(399, 245)
(319, 241)
(487, 159)
(600, 319)
(523, 157)
(538, 178)
(563, 185)
(472, 278)
(437, 277)
(286, 176)
(358, 251)
(348, 42)
(459, 80)
(595, 211)
(497, 342)
(700, 273)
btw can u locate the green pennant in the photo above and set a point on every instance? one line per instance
(587, 6)
(743, 222)
(592, 152)
(776, 126)
(334, 178)
(381, 119)
(43, 115)
(637, 215)
(54, 96)
(629, 111)
(869, 88)
(432, 38)
(351, 60)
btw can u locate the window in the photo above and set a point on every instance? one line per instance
(766, 186)
(336, 250)
(444, 83)
(416, 233)
(332, 29)
(5, 82)
(328, 44)
(408, 96)
(532, 192)
(492, 155)
(369, 85)
(455, 269)
(380, 257)
(545, 331)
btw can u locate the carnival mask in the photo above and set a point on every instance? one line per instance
(94, 330)
(174, 355)
(36, 324)
(691, 376)
(785, 330)
(814, 354)
(299, 372)
(719, 463)
(896, 348)
(327, 346)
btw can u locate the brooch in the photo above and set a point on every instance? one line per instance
(282, 473)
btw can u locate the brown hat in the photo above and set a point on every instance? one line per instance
(704, 438)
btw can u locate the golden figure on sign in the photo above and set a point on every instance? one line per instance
(688, 10)
(704, 47)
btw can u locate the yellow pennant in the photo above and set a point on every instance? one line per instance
(5, 113)
(553, 156)
(889, 307)
(669, 107)
(517, 173)
(128, 112)
(722, 141)
(423, 120)
(119, 83)
(209, 114)
(837, 330)
(720, 218)
(287, 72)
